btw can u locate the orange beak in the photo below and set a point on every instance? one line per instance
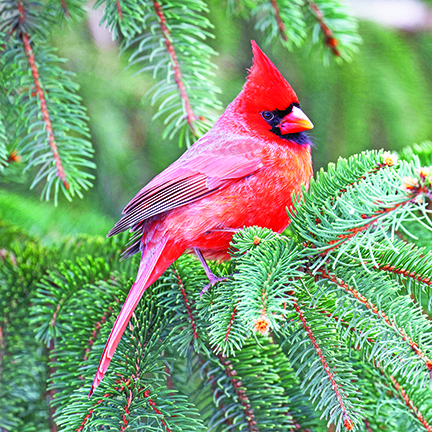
(295, 121)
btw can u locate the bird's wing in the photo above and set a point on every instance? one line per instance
(185, 181)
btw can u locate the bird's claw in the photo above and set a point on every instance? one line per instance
(211, 283)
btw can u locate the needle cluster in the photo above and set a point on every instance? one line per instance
(327, 324)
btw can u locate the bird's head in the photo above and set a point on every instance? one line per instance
(268, 104)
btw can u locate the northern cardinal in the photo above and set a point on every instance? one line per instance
(240, 173)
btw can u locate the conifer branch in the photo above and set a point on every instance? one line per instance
(329, 39)
(325, 22)
(170, 44)
(218, 394)
(406, 261)
(95, 332)
(230, 324)
(65, 8)
(407, 273)
(279, 20)
(347, 422)
(289, 22)
(379, 313)
(190, 116)
(42, 100)
(403, 394)
(119, 10)
(119, 389)
(240, 392)
(361, 176)
(187, 303)
(156, 410)
(344, 324)
(46, 125)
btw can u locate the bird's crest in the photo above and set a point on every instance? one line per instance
(265, 86)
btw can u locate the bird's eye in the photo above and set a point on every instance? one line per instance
(267, 115)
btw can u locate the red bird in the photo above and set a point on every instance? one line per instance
(240, 173)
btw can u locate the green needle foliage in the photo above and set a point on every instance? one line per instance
(325, 25)
(43, 126)
(329, 325)
(46, 126)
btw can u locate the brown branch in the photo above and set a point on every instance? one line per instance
(96, 330)
(379, 313)
(329, 39)
(352, 232)
(65, 8)
(279, 21)
(55, 314)
(230, 324)
(190, 115)
(89, 415)
(348, 424)
(43, 104)
(406, 273)
(119, 10)
(97, 403)
(50, 393)
(410, 404)
(125, 415)
(187, 304)
(241, 393)
(367, 425)
(156, 410)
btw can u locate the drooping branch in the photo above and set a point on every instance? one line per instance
(329, 39)
(348, 424)
(190, 115)
(119, 10)
(65, 8)
(41, 95)
(279, 21)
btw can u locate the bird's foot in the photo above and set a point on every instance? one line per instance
(213, 280)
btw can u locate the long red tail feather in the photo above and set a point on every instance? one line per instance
(148, 272)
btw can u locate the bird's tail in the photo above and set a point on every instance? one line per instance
(151, 267)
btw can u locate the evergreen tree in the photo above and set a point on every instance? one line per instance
(328, 324)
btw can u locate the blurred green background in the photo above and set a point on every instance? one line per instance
(380, 100)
